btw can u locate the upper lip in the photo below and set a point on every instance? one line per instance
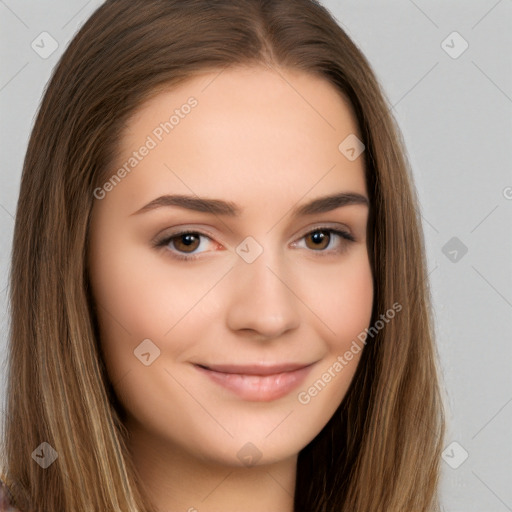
(254, 369)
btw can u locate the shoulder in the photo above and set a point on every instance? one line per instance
(5, 499)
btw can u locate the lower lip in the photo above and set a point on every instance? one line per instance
(258, 388)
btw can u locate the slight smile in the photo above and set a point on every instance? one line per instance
(257, 383)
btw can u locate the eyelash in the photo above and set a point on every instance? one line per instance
(347, 237)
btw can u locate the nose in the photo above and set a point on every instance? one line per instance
(262, 299)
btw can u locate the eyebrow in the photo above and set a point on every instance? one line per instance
(221, 207)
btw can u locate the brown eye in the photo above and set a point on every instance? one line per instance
(318, 239)
(186, 242)
(185, 245)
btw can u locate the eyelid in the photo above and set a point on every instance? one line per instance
(339, 230)
(181, 230)
(191, 228)
(332, 226)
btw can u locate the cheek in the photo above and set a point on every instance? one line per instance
(344, 312)
(125, 304)
(139, 293)
(341, 296)
(141, 296)
(349, 310)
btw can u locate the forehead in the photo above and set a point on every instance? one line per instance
(250, 130)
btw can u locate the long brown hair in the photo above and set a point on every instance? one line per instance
(381, 449)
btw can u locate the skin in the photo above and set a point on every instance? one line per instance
(267, 141)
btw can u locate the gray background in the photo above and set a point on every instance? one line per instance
(455, 115)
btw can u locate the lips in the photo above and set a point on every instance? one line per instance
(254, 369)
(258, 383)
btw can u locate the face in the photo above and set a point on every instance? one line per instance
(227, 306)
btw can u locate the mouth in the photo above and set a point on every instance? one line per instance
(257, 383)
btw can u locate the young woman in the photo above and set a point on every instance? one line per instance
(219, 297)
